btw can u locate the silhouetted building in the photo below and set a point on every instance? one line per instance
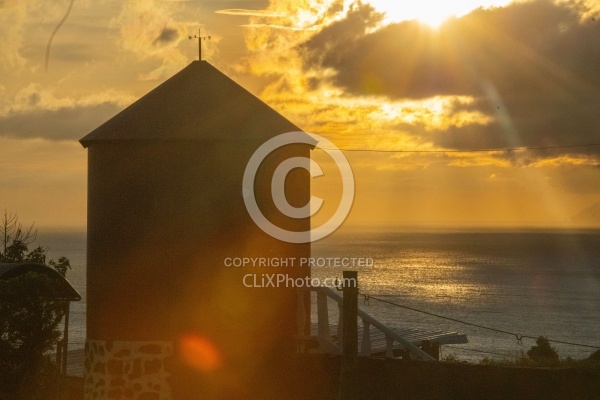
(166, 317)
(64, 290)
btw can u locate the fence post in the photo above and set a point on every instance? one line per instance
(349, 371)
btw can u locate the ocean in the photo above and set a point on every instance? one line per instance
(72, 245)
(535, 282)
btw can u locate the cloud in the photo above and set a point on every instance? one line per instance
(149, 30)
(272, 41)
(166, 36)
(530, 67)
(333, 39)
(352, 120)
(66, 123)
(27, 25)
(12, 17)
(488, 45)
(281, 27)
(35, 113)
(244, 12)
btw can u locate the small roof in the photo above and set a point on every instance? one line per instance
(12, 270)
(198, 103)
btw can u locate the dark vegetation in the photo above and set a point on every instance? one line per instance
(29, 321)
(540, 355)
(304, 377)
(542, 352)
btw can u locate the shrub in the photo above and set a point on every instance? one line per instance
(595, 356)
(542, 352)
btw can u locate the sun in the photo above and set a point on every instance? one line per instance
(430, 12)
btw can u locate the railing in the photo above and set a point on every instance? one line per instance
(326, 343)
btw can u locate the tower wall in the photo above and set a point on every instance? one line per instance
(163, 216)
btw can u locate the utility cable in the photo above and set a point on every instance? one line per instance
(506, 149)
(518, 336)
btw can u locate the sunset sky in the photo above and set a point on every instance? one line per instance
(415, 92)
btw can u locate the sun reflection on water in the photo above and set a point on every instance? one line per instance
(435, 277)
(536, 283)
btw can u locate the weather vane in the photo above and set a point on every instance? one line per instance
(200, 39)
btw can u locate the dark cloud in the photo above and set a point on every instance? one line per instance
(167, 35)
(67, 123)
(329, 46)
(532, 66)
(335, 8)
(65, 52)
(533, 122)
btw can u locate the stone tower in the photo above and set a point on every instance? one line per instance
(166, 318)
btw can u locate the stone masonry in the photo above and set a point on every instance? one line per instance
(127, 370)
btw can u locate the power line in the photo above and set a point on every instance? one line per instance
(518, 336)
(505, 149)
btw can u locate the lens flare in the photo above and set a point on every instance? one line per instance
(200, 353)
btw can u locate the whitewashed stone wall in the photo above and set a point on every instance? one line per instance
(127, 370)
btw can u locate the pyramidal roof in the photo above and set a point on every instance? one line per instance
(198, 103)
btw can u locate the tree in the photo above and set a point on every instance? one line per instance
(29, 318)
(29, 330)
(542, 351)
(16, 240)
